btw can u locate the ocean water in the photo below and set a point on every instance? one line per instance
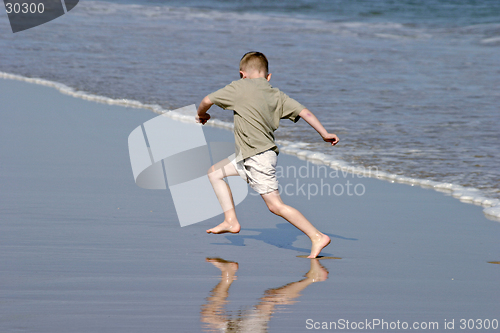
(410, 87)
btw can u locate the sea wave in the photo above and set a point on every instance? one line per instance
(153, 12)
(299, 149)
(258, 21)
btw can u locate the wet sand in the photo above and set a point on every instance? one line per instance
(84, 249)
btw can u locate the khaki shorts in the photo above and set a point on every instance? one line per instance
(259, 171)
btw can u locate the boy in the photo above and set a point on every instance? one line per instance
(258, 107)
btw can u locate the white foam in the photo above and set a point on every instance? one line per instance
(390, 25)
(490, 202)
(491, 40)
(62, 88)
(465, 194)
(447, 187)
(493, 213)
(389, 36)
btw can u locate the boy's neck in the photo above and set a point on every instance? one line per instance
(255, 75)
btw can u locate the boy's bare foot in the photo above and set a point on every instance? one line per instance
(233, 227)
(318, 245)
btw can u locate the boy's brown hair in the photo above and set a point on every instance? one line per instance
(254, 60)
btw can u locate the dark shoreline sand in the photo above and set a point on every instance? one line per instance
(83, 249)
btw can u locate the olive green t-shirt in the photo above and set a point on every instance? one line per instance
(258, 108)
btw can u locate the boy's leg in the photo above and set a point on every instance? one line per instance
(213, 312)
(292, 215)
(216, 175)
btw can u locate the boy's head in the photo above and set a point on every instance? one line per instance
(254, 65)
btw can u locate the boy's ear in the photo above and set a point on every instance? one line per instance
(268, 77)
(243, 75)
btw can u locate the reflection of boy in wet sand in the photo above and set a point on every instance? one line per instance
(254, 320)
(258, 108)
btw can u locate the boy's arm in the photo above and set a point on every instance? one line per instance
(311, 119)
(203, 116)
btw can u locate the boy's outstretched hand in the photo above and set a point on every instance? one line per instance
(202, 115)
(202, 119)
(332, 138)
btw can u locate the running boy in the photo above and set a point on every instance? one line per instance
(258, 108)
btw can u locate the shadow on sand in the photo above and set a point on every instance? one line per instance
(283, 236)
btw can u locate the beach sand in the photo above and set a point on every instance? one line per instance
(84, 249)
